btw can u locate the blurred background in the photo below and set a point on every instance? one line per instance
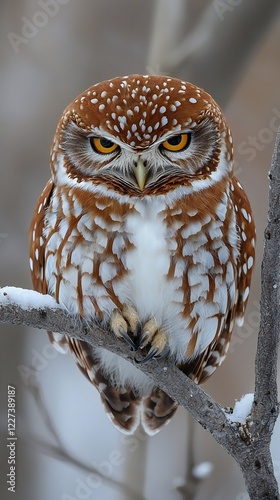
(52, 50)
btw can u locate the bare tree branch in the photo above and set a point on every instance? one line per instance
(248, 444)
(58, 449)
(165, 374)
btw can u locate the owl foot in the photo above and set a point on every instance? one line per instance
(124, 323)
(154, 336)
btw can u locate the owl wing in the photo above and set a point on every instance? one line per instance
(247, 234)
(37, 241)
(37, 256)
(202, 367)
(121, 404)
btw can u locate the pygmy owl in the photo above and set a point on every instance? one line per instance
(144, 227)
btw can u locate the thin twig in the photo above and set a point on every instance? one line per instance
(59, 450)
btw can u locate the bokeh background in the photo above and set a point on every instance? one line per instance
(51, 50)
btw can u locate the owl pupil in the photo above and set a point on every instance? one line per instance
(174, 141)
(106, 143)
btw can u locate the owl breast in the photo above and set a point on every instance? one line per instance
(153, 293)
(112, 262)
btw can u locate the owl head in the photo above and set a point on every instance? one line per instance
(141, 135)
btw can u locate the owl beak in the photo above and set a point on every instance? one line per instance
(140, 174)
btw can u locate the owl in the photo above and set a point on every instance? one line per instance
(144, 228)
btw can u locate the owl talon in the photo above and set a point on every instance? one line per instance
(151, 354)
(150, 330)
(127, 338)
(142, 340)
(126, 322)
(162, 354)
(131, 316)
(156, 338)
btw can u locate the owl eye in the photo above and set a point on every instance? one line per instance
(177, 142)
(103, 145)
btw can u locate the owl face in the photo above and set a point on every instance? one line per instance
(138, 134)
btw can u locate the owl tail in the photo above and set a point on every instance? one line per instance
(157, 410)
(127, 411)
(121, 404)
(124, 407)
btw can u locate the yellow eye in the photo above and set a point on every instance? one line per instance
(103, 145)
(177, 142)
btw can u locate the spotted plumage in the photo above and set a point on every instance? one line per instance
(144, 227)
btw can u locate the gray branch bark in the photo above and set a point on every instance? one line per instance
(248, 444)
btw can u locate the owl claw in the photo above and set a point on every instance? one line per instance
(162, 354)
(127, 338)
(142, 340)
(156, 338)
(124, 323)
(150, 330)
(151, 354)
(131, 316)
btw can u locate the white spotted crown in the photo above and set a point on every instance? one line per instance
(140, 109)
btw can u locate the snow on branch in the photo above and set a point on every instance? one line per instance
(245, 435)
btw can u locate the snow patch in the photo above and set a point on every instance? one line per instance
(242, 409)
(26, 299)
(203, 470)
(199, 472)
